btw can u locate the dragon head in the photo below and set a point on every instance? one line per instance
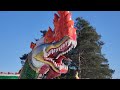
(57, 42)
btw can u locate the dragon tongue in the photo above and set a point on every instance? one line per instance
(59, 60)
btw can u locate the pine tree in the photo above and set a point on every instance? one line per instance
(23, 58)
(87, 55)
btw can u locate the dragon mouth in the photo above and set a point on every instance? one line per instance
(56, 55)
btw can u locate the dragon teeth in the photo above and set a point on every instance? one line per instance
(69, 42)
(74, 46)
(71, 47)
(58, 65)
(66, 43)
(63, 53)
(67, 51)
(57, 56)
(53, 61)
(61, 66)
(59, 48)
(65, 67)
(55, 64)
(48, 59)
(56, 49)
(63, 45)
(74, 43)
(52, 51)
(48, 54)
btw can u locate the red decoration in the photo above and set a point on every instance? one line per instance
(32, 45)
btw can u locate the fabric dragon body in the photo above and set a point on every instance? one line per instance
(46, 60)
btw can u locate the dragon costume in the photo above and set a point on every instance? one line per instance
(46, 60)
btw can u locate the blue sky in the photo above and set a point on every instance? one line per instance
(19, 28)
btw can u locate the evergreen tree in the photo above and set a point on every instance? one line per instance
(87, 55)
(23, 58)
